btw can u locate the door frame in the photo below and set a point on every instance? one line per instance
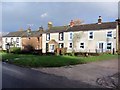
(104, 46)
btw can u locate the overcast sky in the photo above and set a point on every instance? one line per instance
(16, 15)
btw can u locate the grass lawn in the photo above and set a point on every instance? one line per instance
(51, 61)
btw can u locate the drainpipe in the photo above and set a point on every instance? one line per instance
(118, 34)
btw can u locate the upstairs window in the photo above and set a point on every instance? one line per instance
(70, 45)
(90, 35)
(109, 34)
(82, 45)
(61, 36)
(17, 40)
(48, 36)
(6, 40)
(11, 40)
(70, 36)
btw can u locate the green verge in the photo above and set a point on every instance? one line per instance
(51, 61)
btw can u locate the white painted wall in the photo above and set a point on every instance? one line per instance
(9, 40)
(90, 45)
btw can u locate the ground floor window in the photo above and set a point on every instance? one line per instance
(82, 45)
(109, 46)
(70, 45)
(61, 45)
(17, 45)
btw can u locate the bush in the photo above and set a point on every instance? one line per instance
(15, 50)
(29, 48)
(37, 52)
(118, 52)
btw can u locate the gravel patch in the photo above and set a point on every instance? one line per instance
(87, 73)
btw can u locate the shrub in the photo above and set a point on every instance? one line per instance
(118, 51)
(29, 48)
(15, 50)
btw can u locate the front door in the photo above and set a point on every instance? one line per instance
(52, 48)
(101, 46)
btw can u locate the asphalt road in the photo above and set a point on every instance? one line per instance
(19, 77)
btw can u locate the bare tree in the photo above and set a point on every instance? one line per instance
(78, 21)
(76, 38)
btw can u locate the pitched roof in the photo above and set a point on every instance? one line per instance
(15, 34)
(95, 26)
(23, 34)
(84, 27)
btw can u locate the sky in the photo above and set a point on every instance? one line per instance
(17, 15)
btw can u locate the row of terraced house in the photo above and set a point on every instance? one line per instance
(94, 37)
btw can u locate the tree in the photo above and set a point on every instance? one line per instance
(76, 38)
(78, 21)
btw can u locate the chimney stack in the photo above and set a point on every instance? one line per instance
(41, 28)
(29, 30)
(99, 20)
(71, 23)
(50, 25)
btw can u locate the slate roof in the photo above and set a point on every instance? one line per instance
(85, 27)
(15, 34)
(23, 34)
(32, 34)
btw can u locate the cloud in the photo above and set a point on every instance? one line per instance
(18, 14)
(44, 15)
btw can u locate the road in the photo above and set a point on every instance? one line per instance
(19, 77)
(87, 73)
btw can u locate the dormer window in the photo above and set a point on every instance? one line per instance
(90, 35)
(61, 36)
(48, 36)
(109, 34)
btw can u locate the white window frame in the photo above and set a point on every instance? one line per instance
(17, 40)
(6, 40)
(111, 45)
(60, 45)
(47, 36)
(107, 34)
(51, 49)
(69, 36)
(69, 45)
(61, 36)
(80, 45)
(89, 35)
(104, 45)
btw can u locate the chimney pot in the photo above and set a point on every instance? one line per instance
(99, 20)
(71, 23)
